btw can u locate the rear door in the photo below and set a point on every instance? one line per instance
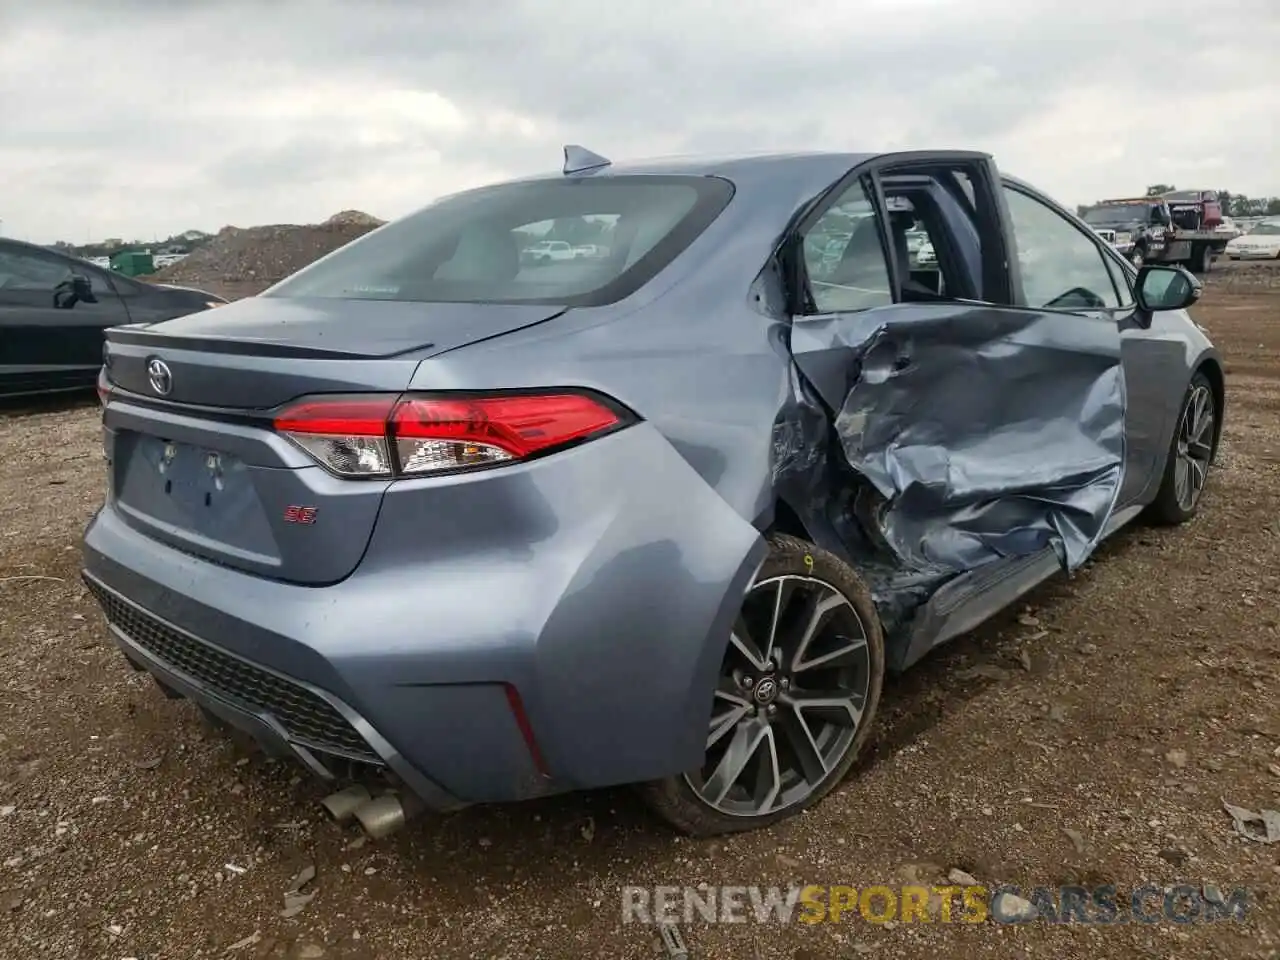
(990, 427)
(50, 337)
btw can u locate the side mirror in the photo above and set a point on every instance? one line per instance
(83, 288)
(75, 289)
(1166, 288)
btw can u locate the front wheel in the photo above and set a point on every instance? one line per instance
(794, 701)
(1190, 455)
(1138, 257)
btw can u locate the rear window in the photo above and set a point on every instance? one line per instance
(576, 242)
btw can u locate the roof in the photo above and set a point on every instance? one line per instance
(730, 166)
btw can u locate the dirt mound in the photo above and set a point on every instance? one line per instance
(353, 218)
(261, 256)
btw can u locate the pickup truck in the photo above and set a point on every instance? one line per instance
(1148, 230)
(548, 251)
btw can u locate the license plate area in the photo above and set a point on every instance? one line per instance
(193, 495)
(193, 479)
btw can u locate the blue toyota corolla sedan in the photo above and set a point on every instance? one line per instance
(467, 524)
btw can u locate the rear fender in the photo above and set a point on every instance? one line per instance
(607, 602)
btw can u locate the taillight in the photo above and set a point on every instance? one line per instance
(386, 436)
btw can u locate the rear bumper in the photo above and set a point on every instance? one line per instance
(602, 603)
(212, 678)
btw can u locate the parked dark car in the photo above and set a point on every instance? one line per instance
(495, 531)
(54, 309)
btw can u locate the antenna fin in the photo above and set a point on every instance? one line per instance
(579, 159)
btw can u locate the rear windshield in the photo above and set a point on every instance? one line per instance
(574, 241)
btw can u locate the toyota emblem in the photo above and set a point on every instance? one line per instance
(766, 690)
(160, 376)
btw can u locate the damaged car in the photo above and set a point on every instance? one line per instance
(471, 530)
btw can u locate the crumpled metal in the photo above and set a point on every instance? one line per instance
(986, 433)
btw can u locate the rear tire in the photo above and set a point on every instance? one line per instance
(1202, 259)
(1191, 453)
(795, 702)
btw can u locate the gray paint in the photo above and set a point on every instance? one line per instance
(602, 581)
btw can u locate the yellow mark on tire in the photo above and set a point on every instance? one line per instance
(808, 562)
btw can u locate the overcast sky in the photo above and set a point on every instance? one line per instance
(139, 119)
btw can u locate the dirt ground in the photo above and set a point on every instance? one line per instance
(1123, 705)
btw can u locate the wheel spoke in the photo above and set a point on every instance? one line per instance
(838, 707)
(847, 653)
(781, 602)
(742, 640)
(1202, 429)
(1197, 475)
(1201, 415)
(799, 737)
(768, 783)
(747, 739)
(816, 613)
(729, 709)
(1180, 479)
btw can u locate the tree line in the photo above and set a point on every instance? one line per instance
(178, 243)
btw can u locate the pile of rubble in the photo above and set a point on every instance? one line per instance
(252, 259)
(353, 218)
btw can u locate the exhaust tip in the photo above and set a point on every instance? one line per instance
(381, 816)
(343, 805)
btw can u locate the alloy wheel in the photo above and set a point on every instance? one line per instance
(793, 687)
(1195, 446)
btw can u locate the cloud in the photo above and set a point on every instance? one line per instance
(141, 118)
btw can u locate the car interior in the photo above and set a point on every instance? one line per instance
(941, 204)
(916, 203)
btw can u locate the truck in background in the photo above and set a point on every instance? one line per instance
(1194, 209)
(1147, 230)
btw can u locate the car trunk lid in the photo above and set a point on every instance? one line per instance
(263, 351)
(195, 461)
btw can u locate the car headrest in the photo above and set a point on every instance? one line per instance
(483, 253)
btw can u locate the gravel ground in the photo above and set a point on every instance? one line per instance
(1123, 705)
